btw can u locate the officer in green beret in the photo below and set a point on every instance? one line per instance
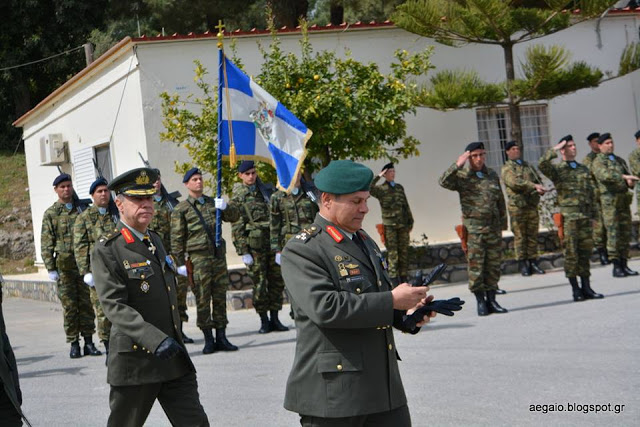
(345, 370)
(136, 283)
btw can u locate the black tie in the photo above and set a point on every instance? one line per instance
(358, 241)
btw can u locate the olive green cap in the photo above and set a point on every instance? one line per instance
(344, 177)
(135, 183)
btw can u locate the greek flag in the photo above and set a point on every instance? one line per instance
(255, 126)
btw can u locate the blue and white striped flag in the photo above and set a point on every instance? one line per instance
(258, 127)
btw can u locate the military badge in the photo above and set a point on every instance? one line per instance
(573, 165)
(143, 178)
(352, 265)
(479, 174)
(338, 258)
(144, 287)
(126, 264)
(612, 157)
(335, 234)
(126, 233)
(342, 270)
(354, 272)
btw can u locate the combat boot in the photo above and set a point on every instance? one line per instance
(185, 338)
(74, 353)
(482, 303)
(222, 343)
(535, 268)
(523, 264)
(275, 324)
(209, 343)
(604, 256)
(265, 326)
(500, 291)
(618, 271)
(493, 305)
(626, 269)
(89, 348)
(586, 289)
(577, 292)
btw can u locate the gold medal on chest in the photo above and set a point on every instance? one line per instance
(126, 264)
(144, 287)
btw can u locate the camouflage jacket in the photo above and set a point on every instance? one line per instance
(393, 204)
(575, 187)
(88, 228)
(161, 222)
(188, 233)
(251, 231)
(634, 164)
(608, 171)
(589, 158)
(289, 215)
(481, 198)
(56, 238)
(520, 180)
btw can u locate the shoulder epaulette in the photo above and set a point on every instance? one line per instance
(109, 237)
(307, 233)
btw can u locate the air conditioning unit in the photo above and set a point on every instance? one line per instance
(53, 150)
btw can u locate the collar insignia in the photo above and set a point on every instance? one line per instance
(126, 233)
(335, 234)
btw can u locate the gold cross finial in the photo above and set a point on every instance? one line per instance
(220, 28)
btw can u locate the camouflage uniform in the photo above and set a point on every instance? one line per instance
(599, 230)
(251, 235)
(520, 179)
(484, 215)
(88, 228)
(615, 199)
(578, 206)
(57, 254)
(289, 215)
(210, 275)
(634, 164)
(398, 222)
(161, 224)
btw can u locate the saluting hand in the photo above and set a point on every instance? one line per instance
(383, 173)
(463, 159)
(560, 145)
(406, 297)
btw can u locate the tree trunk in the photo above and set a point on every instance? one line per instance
(514, 108)
(336, 12)
(288, 12)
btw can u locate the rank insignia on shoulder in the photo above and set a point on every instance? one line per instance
(126, 264)
(126, 233)
(334, 233)
(144, 287)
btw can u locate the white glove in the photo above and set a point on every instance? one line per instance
(182, 270)
(247, 259)
(278, 258)
(220, 203)
(88, 279)
(54, 276)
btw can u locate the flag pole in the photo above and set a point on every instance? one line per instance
(220, 28)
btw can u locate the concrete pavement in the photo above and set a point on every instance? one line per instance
(463, 370)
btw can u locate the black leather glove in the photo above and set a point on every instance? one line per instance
(446, 307)
(168, 349)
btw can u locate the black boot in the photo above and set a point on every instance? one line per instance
(535, 268)
(222, 343)
(577, 292)
(604, 256)
(275, 324)
(106, 351)
(626, 269)
(89, 348)
(587, 291)
(618, 271)
(493, 305)
(500, 292)
(265, 326)
(185, 338)
(74, 353)
(482, 303)
(209, 343)
(524, 267)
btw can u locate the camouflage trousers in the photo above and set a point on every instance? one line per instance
(182, 288)
(484, 257)
(77, 311)
(524, 226)
(599, 231)
(577, 247)
(104, 325)
(211, 281)
(618, 224)
(397, 244)
(267, 281)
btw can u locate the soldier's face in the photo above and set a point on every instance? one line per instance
(477, 158)
(390, 175)
(347, 211)
(195, 184)
(64, 190)
(593, 144)
(136, 211)
(569, 151)
(249, 177)
(513, 153)
(638, 142)
(101, 196)
(607, 146)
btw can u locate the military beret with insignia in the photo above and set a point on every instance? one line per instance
(509, 145)
(246, 165)
(593, 135)
(135, 183)
(637, 134)
(344, 177)
(388, 166)
(474, 146)
(98, 182)
(566, 138)
(187, 176)
(61, 178)
(602, 138)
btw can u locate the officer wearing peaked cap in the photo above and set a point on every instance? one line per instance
(136, 284)
(345, 370)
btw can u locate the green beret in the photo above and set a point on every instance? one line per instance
(135, 183)
(344, 177)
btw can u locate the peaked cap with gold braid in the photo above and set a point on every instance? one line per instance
(135, 183)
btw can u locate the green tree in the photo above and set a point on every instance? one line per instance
(546, 72)
(354, 111)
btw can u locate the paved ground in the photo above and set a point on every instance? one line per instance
(458, 371)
